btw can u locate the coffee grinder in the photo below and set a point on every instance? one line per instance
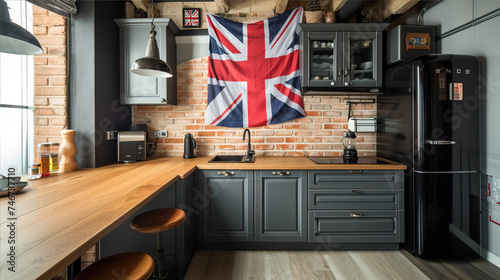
(349, 141)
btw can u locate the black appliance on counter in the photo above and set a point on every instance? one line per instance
(429, 119)
(189, 145)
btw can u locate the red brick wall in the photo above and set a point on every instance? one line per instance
(320, 133)
(50, 76)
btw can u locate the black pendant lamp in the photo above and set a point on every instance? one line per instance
(151, 65)
(13, 38)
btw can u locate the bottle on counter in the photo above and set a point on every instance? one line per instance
(54, 157)
(44, 158)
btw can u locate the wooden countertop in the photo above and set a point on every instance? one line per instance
(60, 217)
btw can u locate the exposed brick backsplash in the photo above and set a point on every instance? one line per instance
(317, 134)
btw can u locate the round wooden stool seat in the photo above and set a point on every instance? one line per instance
(158, 220)
(130, 266)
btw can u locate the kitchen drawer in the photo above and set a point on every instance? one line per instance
(373, 179)
(385, 199)
(356, 226)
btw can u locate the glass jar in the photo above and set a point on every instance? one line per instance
(34, 171)
(44, 158)
(54, 157)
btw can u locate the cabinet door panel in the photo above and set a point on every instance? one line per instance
(134, 36)
(379, 179)
(227, 215)
(356, 226)
(322, 59)
(361, 59)
(385, 199)
(280, 206)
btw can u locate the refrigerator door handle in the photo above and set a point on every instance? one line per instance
(439, 142)
(447, 172)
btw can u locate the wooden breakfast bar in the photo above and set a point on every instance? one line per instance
(60, 217)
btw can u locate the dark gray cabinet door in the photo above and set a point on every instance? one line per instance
(342, 55)
(227, 213)
(377, 226)
(281, 206)
(185, 234)
(134, 35)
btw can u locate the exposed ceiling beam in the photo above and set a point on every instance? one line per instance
(280, 6)
(338, 4)
(141, 4)
(386, 8)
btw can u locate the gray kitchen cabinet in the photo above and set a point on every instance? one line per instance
(349, 206)
(341, 56)
(227, 211)
(134, 36)
(280, 206)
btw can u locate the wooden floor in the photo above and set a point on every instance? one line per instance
(307, 265)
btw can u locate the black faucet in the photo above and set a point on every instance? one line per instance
(250, 152)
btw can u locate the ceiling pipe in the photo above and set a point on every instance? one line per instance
(420, 16)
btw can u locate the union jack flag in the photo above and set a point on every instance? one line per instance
(253, 76)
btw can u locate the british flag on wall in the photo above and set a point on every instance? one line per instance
(253, 75)
(191, 17)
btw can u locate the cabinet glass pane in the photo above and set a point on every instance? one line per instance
(361, 58)
(322, 57)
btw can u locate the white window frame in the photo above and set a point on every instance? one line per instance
(21, 12)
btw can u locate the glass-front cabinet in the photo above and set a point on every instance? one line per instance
(341, 55)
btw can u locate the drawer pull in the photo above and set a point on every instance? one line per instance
(281, 173)
(356, 171)
(356, 214)
(357, 192)
(226, 173)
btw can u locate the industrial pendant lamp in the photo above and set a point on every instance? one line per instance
(151, 65)
(15, 39)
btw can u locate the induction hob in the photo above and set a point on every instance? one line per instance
(340, 160)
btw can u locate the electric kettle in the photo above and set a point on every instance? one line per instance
(189, 145)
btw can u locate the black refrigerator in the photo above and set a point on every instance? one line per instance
(429, 119)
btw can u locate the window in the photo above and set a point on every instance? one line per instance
(32, 88)
(16, 99)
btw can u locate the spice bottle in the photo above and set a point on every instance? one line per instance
(54, 157)
(44, 158)
(34, 171)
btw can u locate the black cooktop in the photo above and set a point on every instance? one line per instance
(340, 160)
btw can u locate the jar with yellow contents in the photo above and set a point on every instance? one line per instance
(44, 158)
(54, 158)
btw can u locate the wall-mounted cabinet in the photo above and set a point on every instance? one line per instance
(134, 36)
(341, 56)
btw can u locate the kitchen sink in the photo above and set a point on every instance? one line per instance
(230, 158)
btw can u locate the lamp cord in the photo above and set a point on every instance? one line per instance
(153, 14)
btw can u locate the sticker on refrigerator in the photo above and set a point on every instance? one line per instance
(418, 41)
(456, 91)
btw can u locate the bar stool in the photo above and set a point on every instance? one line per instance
(131, 266)
(156, 221)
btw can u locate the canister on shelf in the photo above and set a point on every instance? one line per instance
(54, 157)
(44, 158)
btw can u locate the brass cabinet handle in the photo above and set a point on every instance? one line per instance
(357, 192)
(281, 173)
(356, 214)
(226, 173)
